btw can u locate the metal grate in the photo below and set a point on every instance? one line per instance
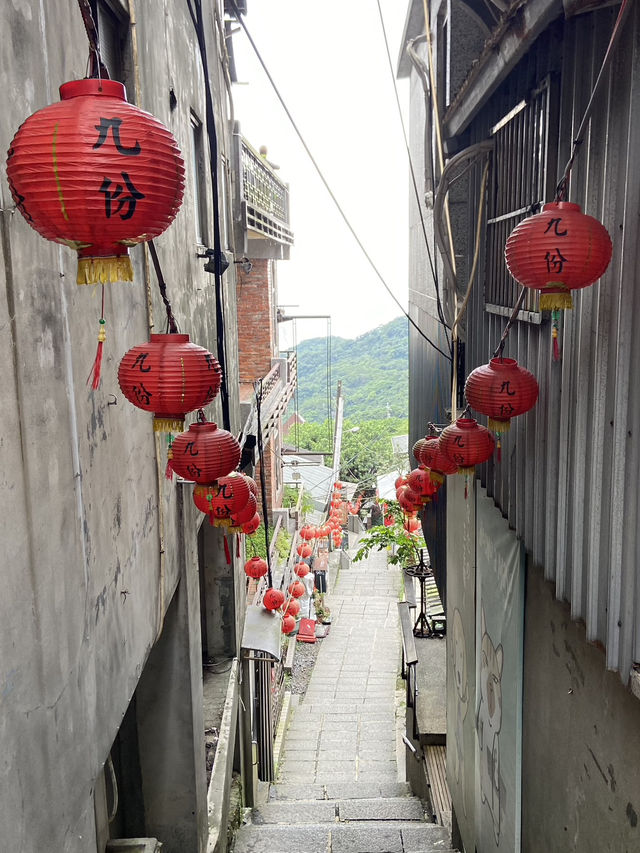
(266, 197)
(518, 190)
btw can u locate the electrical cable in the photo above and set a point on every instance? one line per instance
(414, 181)
(172, 326)
(327, 187)
(212, 137)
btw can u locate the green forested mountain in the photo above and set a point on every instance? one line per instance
(373, 369)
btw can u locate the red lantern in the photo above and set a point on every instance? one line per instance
(412, 525)
(288, 624)
(388, 521)
(205, 453)
(337, 485)
(436, 461)
(256, 567)
(301, 569)
(246, 513)
(250, 527)
(556, 251)
(304, 551)
(400, 481)
(273, 598)
(230, 495)
(408, 499)
(501, 389)
(296, 589)
(97, 174)
(203, 498)
(292, 608)
(169, 376)
(307, 532)
(420, 482)
(418, 447)
(467, 443)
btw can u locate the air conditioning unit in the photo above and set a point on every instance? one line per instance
(134, 845)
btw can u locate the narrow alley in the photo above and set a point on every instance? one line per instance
(339, 784)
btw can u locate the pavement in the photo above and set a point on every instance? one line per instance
(340, 780)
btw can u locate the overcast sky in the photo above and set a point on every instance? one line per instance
(328, 59)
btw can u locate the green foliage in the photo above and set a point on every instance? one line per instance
(290, 499)
(283, 544)
(319, 605)
(366, 452)
(373, 369)
(256, 546)
(407, 546)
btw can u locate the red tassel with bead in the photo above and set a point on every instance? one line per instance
(94, 373)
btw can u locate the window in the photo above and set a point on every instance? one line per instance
(198, 173)
(112, 22)
(519, 187)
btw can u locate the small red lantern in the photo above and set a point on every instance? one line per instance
(169, 376)
(256, 567)
(307, 532)
(97, 174)
(408, 499)
(204, 453)
(203, 498)
(288, 623)
(556, 251)
(412, 525)
(400, 481)
(230, 495)
(301, 569)
(418, 447)
(388, 521)
(246, 513)
(304, 551)
(501, 389)
(337, 485)
(250, 527)
(292, 608)
(438, 463)
(467, 443)
(296, 589)
(420, 482)
(273, 598)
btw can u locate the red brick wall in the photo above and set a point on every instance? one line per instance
(274, 494)
(256, 320)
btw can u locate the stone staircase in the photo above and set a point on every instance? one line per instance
(358, 817)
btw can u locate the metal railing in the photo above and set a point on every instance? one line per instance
(266, 197)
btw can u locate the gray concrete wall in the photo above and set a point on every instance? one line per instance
(581, 737)
(92, 532)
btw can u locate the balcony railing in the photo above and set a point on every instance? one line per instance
(265, 197)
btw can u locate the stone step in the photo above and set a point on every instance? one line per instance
(358, 837)
(338, 791)
(327, 811)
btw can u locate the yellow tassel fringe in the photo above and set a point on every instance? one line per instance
(499, 426)
(168, 424)
(104, 270)
(556, 301)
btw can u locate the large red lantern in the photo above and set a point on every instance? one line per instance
(501, 389)
(273, 598)
(467, 443)
(256, 567)
(169, 376)
(204, 453)
(97, 174)
(556, 251)
(438, 463)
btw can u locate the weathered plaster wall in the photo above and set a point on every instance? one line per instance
(581, 737)
(92, 532)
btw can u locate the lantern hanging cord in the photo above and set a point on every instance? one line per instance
(499, 349)
(414, 181)
(328, 188)
(561, 189)
(172, 326)
(96, 67)
(263, 482)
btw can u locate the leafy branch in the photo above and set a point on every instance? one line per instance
(407, 546)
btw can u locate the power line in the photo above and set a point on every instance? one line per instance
(326, 184)
(434, 269)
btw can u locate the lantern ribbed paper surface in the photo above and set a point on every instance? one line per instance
(438, 463)
(304, 550)
(245, 515)
(556, 251)
(467, 443)
(418, 447)
(250, 527)
(292, 608)
(256, 567)
(169, 376)
(230, 495)
(288, 623)
(420, 482)
(501, 389)
(307, 532)
(97, 174)
(273, 598)
(204, 453)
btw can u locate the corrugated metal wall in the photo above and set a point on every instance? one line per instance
(568, 479)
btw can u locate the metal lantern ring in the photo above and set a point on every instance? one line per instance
(556, 251)
(97, 174)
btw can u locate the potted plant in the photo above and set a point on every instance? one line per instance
(405, 547)
(323, 614)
